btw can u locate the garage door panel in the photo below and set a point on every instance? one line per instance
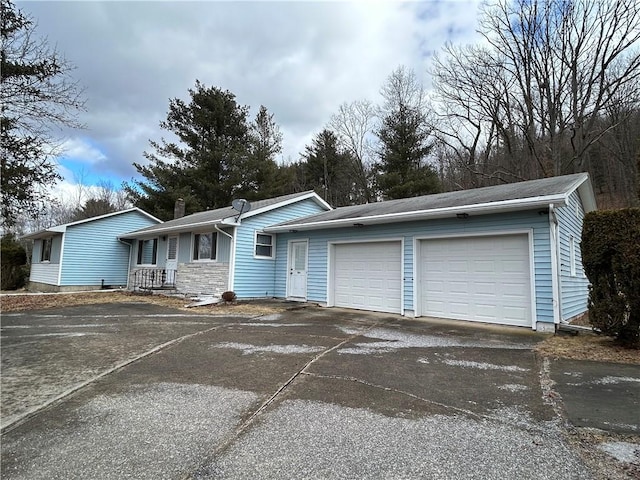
(483, 266)
(485, 288)
(368, 276)
(476, 278)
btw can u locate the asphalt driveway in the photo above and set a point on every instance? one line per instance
(137, 391)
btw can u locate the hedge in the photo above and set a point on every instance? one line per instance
(611, 259)
(14, 271)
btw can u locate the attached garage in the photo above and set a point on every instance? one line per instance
(477, 278)
(367, 276)
(504, 254)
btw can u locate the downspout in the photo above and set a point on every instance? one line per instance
(555, 271)
(232, 255)
(129, 264)
(61, 256)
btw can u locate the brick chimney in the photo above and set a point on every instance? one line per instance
(178, 209)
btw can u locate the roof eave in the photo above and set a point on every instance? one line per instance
(587, 195)
(432, 214)
(43, 233)
(176, 229)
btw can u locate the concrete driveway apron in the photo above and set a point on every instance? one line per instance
(311, 393)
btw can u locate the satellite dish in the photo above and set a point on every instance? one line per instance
(241, 205)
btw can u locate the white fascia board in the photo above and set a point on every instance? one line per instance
(284, 203)
(587, 195)
(585, 190)
(63, 228)
(112, 214)
(164, 230)
(478, 209)
(44, 233)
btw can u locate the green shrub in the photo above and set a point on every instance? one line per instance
(611, 259)
(14, 270)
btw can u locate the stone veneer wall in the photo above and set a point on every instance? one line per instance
(209, 278)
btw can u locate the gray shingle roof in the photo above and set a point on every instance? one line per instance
(210, 217)
(509, 193)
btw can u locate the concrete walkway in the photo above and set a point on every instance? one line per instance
(136, 391)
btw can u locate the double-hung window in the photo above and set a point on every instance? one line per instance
(147, 251)
(264, 245)
(205, 246)
(45, 254)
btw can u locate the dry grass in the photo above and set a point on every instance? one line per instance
(587, 346)
(17, 303)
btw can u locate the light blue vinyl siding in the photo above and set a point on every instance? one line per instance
(92, 253)
(224, 246)
(255, 277)
(574, 290)
(517, 221)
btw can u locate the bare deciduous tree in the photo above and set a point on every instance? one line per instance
(536, 98)
(354, 124)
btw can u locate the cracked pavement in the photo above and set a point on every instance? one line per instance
(137, 391)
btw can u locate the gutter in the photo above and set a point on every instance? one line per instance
(477, 209)
(178, 228)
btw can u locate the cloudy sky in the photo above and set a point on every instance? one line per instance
(299, 59)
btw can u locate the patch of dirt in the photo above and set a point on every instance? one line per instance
(587, 346)
(17, 303)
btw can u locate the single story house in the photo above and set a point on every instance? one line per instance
(86, 254)
(214, 251)
(507, 254)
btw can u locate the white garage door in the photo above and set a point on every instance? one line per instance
(484, 279)
(367, 276)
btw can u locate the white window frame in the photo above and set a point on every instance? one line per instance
(257, 244)
(154, 253)
(195, 250)
(46, 241)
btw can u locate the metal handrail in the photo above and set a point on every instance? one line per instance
(154, 278)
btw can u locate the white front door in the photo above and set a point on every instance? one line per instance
(171, 266)
(297, 285)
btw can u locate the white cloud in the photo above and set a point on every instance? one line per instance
(81, 150)
(301, 60)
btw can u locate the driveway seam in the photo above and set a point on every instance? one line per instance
(401, 392)
(58, 398)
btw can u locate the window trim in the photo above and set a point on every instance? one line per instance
(572, 256)
(195, 250)
(46, 241)
(154, 253)
(257, 244)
